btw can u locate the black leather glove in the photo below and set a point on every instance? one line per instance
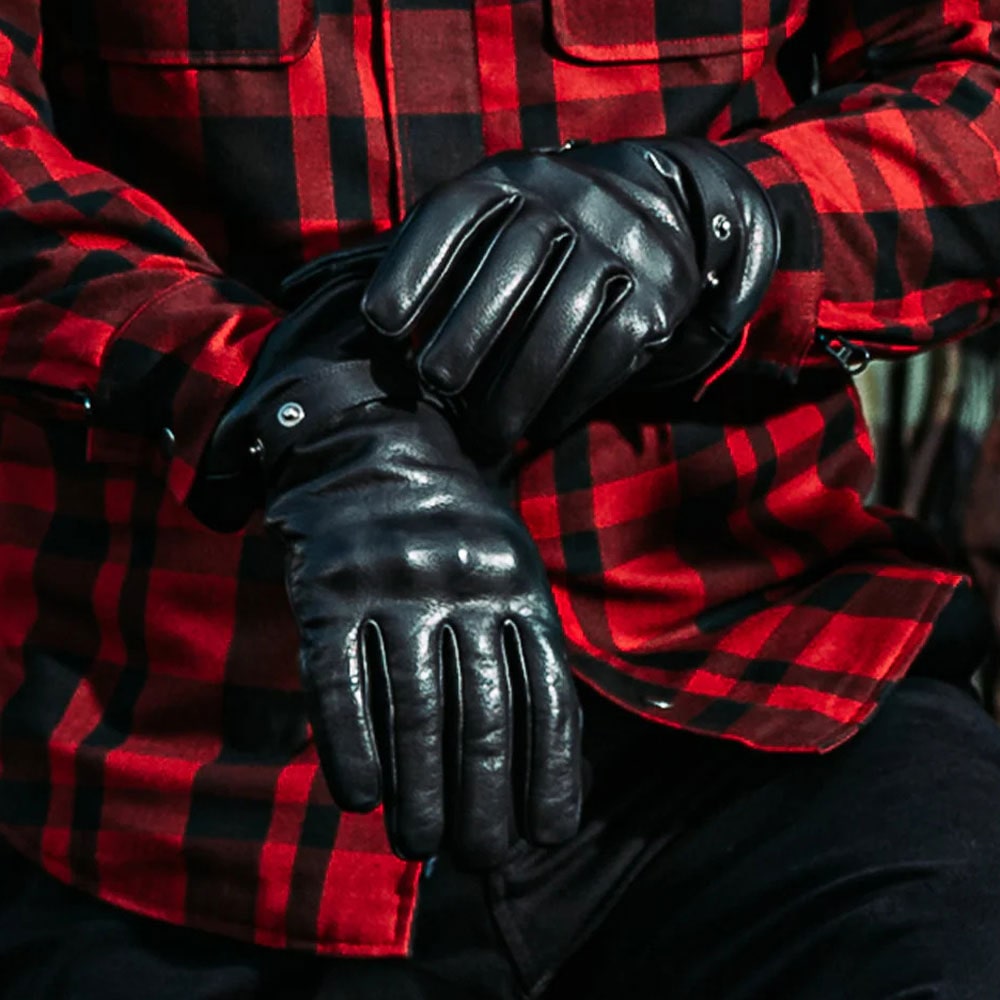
(539, 282)
(431, 651)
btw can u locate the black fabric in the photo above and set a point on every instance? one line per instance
(56, 943)
(702, 870)
(869, 873)
(962, 642)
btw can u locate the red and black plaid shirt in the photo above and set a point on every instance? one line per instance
(163, 163)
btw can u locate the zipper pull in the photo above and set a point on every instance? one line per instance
(853, 358)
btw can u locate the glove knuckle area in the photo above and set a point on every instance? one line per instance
(436, 558)
(442, 568)
(391, 555)
(644, 320)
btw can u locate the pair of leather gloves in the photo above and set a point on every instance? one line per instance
(535, 285)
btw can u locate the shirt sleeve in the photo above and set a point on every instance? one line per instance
(886, 183)
(106, 302)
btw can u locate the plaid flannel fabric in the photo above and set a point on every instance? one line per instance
(164, 163)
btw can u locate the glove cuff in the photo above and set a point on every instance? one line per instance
(739, 242)
(318, 363)
(735, 224)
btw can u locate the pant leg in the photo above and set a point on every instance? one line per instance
(57, 943)
(871, 872)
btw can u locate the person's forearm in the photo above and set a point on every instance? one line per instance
(106, 300)
(887, 184)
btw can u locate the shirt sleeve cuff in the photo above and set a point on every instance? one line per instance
(782, 334)
(170, 370)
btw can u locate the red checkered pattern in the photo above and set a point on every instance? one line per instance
(164, 163)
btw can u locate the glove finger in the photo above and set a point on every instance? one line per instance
(478, 721)
(336, 687)
(621, 343)
(408, 717)
(548, 770)
(508, 286)
(584, 293)
(436, 251)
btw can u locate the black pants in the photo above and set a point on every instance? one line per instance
(703, 870)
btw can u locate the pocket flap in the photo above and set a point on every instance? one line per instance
(653, 30)
(188, 32)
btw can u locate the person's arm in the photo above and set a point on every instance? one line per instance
(887, 184)
(105, 299)
(541, 282)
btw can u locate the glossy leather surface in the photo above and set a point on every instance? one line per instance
(431, 652)
(539, 282)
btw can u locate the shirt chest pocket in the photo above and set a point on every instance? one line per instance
(619, 31)
(179, 33)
